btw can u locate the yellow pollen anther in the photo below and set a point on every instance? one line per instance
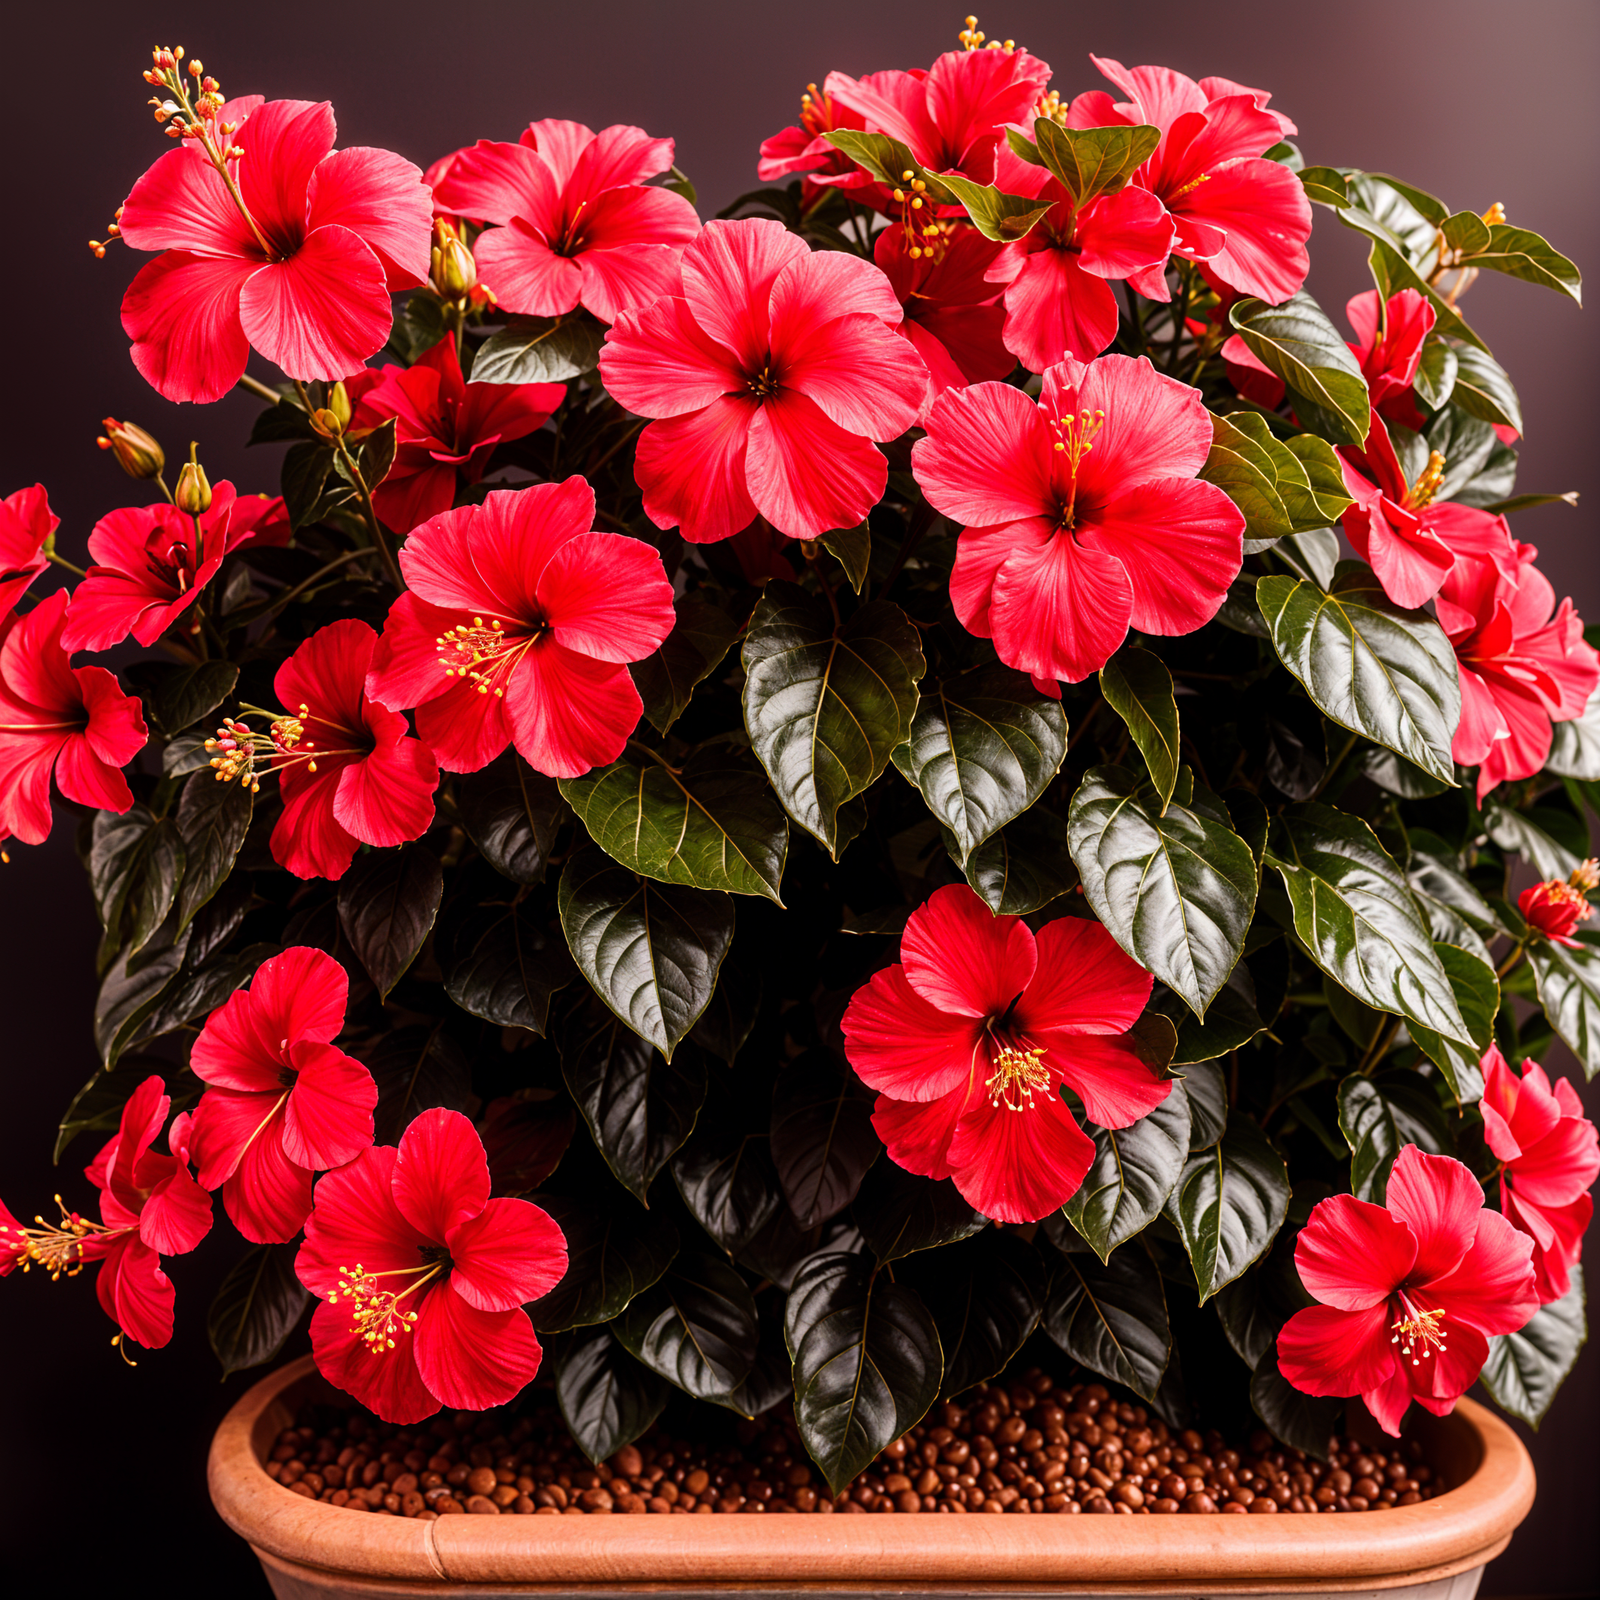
(1586, 876)
(1418, 1333)
(377, 1312)
(1495, 216)
(1421, 493)
(476, 651)
(1018, 1075)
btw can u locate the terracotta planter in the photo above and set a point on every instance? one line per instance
(1433, 1551)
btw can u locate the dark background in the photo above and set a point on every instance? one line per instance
(102, 1468)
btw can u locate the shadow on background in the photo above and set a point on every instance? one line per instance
(1475, 100)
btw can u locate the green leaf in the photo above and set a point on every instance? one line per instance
(650, 951)
(887, 159)
(1325, 185)
(1229, 1204)
(867, 1362)
(510, 970)
(1305, 1422)
(1437, 372)
(387, 904)
(986, 1296)
(1092, 161)
(726, 1177)
(769, 1380)
(1111, 1317)
(256, 1308)
(826, 705)
(852, 549)
(1354, 914)
(1575, 747)
(1384, 672)
(984, 746)
(511, 814)
(416, 1068)
(1296, 341)
(132, 989)
(1208, 1104)
(213, 819)
(823, 1140)
(606, 1397)
(1283, 487)
(377, 454)
(540, 350)
(700, 638)
(1521, 253)
(97, 1107)
(282, 423)
(1138, 687)
(1477, 992)
(899, 1213)
(1135, 1169)
(175, 697)
(710, 824)
(1523, 832)
(1378, 1117)
(695, 1326)
(304, 478)
(1569, 991)
(1175, 888)
(1023, 867)
(678, 182)
(1525, 1368)
(640, 1107)
(1232, 1021)
(615, 1251)
(1004, 218)
(418, 326)
(1482, 388)
(1254, 1307)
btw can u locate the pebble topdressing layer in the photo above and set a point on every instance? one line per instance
(1029, 1446)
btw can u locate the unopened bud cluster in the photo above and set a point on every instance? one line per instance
(136, 452)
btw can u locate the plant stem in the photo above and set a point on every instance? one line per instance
(61, 561)
(1517, 952)
(260, 390)
(379, 538)
(305, 583)
(1375, 1051)
(1334, 766)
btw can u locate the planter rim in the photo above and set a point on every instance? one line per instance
(1453, 1533)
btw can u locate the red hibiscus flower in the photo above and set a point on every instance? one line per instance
(770, 376)
(444, 426)
(1555, 907)
(296, 256)
(1246, 218)
(26, 522)
(261, 520)
(804, 149)
(950, 117)
(1549, 1154)
(578, 226)
(1058, 300)
(1409, 1291)
(349, 770)
(150, 563)
(1082, 513)
(1521, 667)
(282, 1102)
(150, 1206)
(1410, 541)
(75, 721)
(950, 314)
(971, 1036)
(423, 1277)
(516, 628)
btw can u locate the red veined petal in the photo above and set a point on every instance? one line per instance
(1124, 233)
(387, 799)
(692, 470)
(962, 958)
(1055, 309)
(497, 182)
(182, 313)
(527, 276)
(473, 1359)
(441, 1175)
(268, 1197)
(283, 141)
(180, 203)
(1019, 1166)
(1085, 982)
(327, 673)
(464, 729)
(567, 712)
(1112, 1077)
(805, 474)
(381, 198)
(177, 1216)
(509, 1254)
(818, 288)
(916, 1134)
(863, 375)
(1388, 1398)
(1322, 1350)
(1558, 1168)
(386, 1383)
(406, 670)
(607, 596)
(658, 362)
(618, 155)
(629, 276)
(1441, 1202)
(1154, 427)
(328, 1119)
(1352, 1254)
(1492, 1289)
(1263, 212)
(986, 459)
(355, 1222)
(1440, 1378)
(308, 839)
(136, 1294)
(728, 275)
(900, 1044)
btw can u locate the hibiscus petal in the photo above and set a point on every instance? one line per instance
(1481, 723)
(1352, 1254)
(527, 276)
(387, 1382)
(628, 277)
(1492, 1288)
(962, 958)
(805, 474)
(268, 1198)
(659, 363)
(1055, 309)
(308, 840)
(473, 1359)
(1019, 1166)
(1553, 1263)
(1440, 1378)
(1262, 209)
(1558, 1168)
(607, 596)
(1125, 233)
(620, 154)
(1154, 427)
(509, 1254)
(1112, 1077)
(1323, 1350)
(328, 1120)
(182, 313)
(987, 457)
(464, 729)
(380, 197)
(568, 713)
(1410, 562)
(817, 288)
(299, 994)
(1441, 1202)
(728, 276)
(496, 182)
(356, 1223)
(387, 799)
(692, 470)
(1388, 1399)
(177, 1216)
(328, 673)
(917, 1135)
(900, 1044)
(323, 310)
(863, 375)
(181, 203)
(1084, 983)
(406, 670)
(283, 141)
(441, 1175)
(136, 1294)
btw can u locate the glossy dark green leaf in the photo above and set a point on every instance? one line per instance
(867, 1362)
(416, 1068)
(607, 1398)
(1296, 341)
(770, 1380)
(615, 1251)
(1232, 1021)
(651, 951)
(387, 904)
(1023, 867)
(1134, 1171)
(540, 350)
(1229, 1204)
(1176, 889)
(1521, 253)
(986, 1296)
(823, 1140)
(1303, 1421)
(984, 746)
(511, 968)
(175, 697)
(419, 325)
(1437, 371)
(710, 824)
(1354, 914)
(639, 1107)
(1483, 388)
(1111, 1317)
(1254, 1307)
(1569, 991)
(282, 423)
(213, 819)
(1283, 486)
(256, 1308)
(1208, 1103)
(1384, 672)
(1378, 1117)
(887, 159)
(511, 814)
(825, 706)
(695, 1326)
(131, 990)
(304, 483)
(1534, 835)
(1005, 218)
(1326, 185)
(852, 549)
(725, 1024)
(1525, 1368)
(1138, 687)
(899, 1213)
(377, 454)
(1575, 745)
(700, 638)
(1477, 991)
(1090, 161)
(97, 1107)
(726, 1177)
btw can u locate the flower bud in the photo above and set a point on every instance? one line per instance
(454, 271)
(193, 494)
(327, 423)
(137, 453)
(339, 404)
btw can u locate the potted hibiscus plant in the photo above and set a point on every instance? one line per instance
(790, 810)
